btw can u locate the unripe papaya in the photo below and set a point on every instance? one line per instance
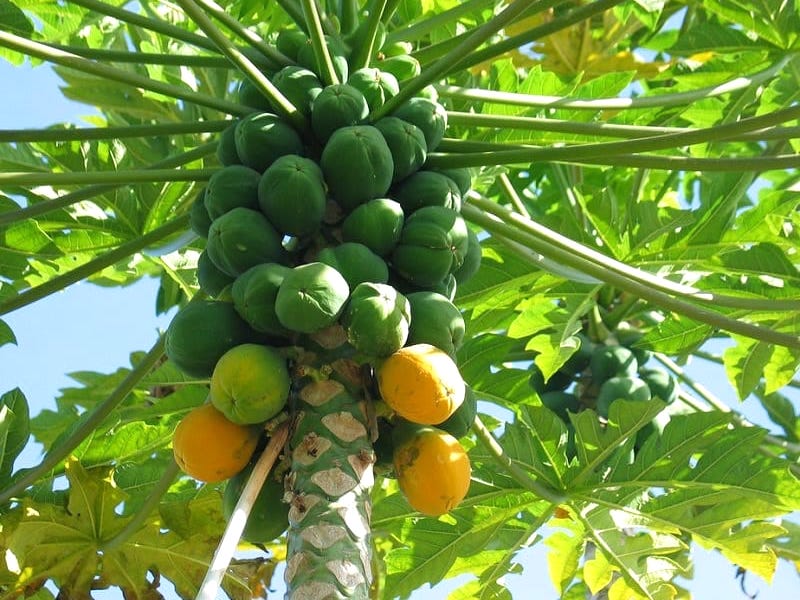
(269, 515)
(299, 85)
(262, 137)
(429, 116)
(289, 41)
(460, 422)
(254, 294)
(243, 238)
(249, 95)
(337, 106)
(377, 86)
(357, 165)
(406, 143)
(377, 224)
(396, 48)
(226, 147)
(356, 263)
(201, 332)
(199, 219)
(626, 388)
(291, 193)
(427, 188)
(662, 384)
(561, 403)
(212, 280)
(376, 319)
(461, 176)
(230, 187)
(436, 321)
(609, 361)
(472, 259)
(311, 297)
(402, 66)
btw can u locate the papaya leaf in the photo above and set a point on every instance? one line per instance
(780, 411)
(6, 334)
(745, 363)
(14, 20)
(14, 429)
(565, 549)
(479, 361)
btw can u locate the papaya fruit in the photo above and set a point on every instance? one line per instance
(561, 403)
(460, 422)
(230, 187)
(377, 224)
(250, 384)
(262, 137)
(662, 385)
(269, 515)
(199, 219)
(226, 147)
(435, 320)
(299, 85)
(357, 165)
(311, 296)
(461, 176)
(421, 383)
(254, 293)
(629, 337)
(376, 319)
(291, 193)
(249, 95)
(243, 238)
(377, 86)
(212, 280)
(472, 259)
(433, 470)
(610, 361)
(337, 106)
(558, 381)
(396, 48)
(427, 188)
(406, 143)
(338, 53)
(356, 263)
(289, 41)
(209, 447)
(402, 66)
(428, 115)
(201, 332)
(620, 387)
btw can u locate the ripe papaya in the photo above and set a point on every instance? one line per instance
(461, 176)
(338, 53)
(226, 147)
(427, 188)
(421, 383)
(460, 422)
(250, 384)
(609, 361)
(269, 515)
(626, 388)
(402, 66)
(311, 297)
(201, 332)
(662, 384)
(561, 402)
(299, 85)
(377, 224)
(337, 106)
(291, 193)
(436, 321)
(243, 238)
(428, 115)
(432, 245)
(263, 137)
(289, 41)
(249, 95)
(229, 187)
(254, 293)
(407, 145)
(357, 165)
(433, 470)
(356, 263)
(211, 279)
(376, 319)
(209, 447)
(472, 259)
(377, 86)
(199, 220)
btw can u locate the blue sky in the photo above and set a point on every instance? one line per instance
(90, 328)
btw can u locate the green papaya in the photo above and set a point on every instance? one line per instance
(406, 143)
(427, 188)
(211, 278)
(337, 106)
(355, 262)
(199, 219)
(461, 176)
(472, 259)
(299, 85)
(560, 402)
(269, 515)
(460, 422)
(308, 59)
(249, 95)
(435, 320)
(311, 297)
(226, 147)
(609, 361)
(429, 93)
(262, 137)
(243, 238)
(662, 384)
(376, 319)
(291, 193)
(377, 86)
(615, 388)
(432, 245)
(289, 41)
(231, 187)
(557, 382)
(201, 332)
(377, 224)
(396, 48)
(402, 66)
(428, 115)
(254, 293)
(630, 337)
(357, 165)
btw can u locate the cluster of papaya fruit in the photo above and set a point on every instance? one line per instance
(339, 226)
(598, 374)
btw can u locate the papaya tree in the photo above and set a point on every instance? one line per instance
(435, 272)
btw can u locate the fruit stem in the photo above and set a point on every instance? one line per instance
(508, 188)
(95, 265)
(137, 520)
(316, 34)
(486, 439)
(45, 206)
(363, 54)
(236, 524)
(120, 177)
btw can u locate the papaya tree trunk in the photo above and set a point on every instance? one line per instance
(329, 484)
